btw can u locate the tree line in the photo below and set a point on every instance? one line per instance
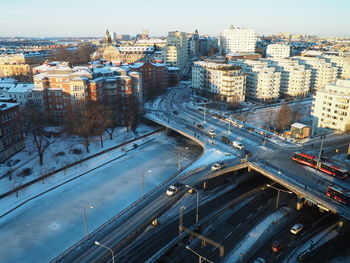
(84, 120)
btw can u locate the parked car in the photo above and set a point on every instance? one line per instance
(200, 126)
(218, 166)
(250, 129)
(211, 133)
(296, 228)
(277, 246)
(172, 190)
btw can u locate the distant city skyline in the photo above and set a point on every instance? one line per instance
(78, 18)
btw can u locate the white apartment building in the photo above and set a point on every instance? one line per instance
(295, 78)
(176, 50)
(331, 107)
(322, 72)
(263, 82)
(343, 64)
(238, 40)
(278, 51)
(211, 78)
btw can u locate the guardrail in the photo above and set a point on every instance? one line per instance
(80, 244)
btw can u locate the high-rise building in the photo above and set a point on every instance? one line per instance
(219, 79)
(238, 40)
(176, 50)
(331, 107)
(295, 78)
(278, 51)
(263, 82)
(322, 72)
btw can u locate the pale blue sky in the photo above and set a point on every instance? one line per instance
(91, 18)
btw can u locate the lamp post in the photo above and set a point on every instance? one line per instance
(182, 208)
(143, 181)
(85, 221)
(179, 158)
(197, 208)
(200, 257)
(278, 193)
(101, 245)
(320, 153)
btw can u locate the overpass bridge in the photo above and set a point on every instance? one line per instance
(305, 193)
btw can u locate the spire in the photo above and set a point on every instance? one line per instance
(196, 32)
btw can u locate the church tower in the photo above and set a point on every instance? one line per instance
(108, 39)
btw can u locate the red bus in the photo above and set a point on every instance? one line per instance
(325, 167)
(338, 194)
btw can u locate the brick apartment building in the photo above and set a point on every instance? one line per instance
(11, 136)
(58, 89)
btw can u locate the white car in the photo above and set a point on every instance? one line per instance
(172, 190)
(211, 133)
(237, 145)
(296, 228)
(218, 166)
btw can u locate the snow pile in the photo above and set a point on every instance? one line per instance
(257, 234)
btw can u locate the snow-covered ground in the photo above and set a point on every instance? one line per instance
(46, 226)
(28, 157)
(257, 234)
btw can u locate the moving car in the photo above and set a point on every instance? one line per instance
(237, 145)
(172, 190)
(277, 246)
(211, 133)
(200, 126)
(303, 255)
(296, 228)
(218, 166)
(226, 140)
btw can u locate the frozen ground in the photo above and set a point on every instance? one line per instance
(29, 159)
(47, 225)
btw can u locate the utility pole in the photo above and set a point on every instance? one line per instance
(320, 153)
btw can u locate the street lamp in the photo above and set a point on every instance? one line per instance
(101, 245)
(182, 208)
(85, 221)
(143, 181)
(278, 193)
(179, 158)
(320, 153)
(197, 209)
(200, 257)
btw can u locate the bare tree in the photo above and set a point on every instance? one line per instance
(284, 117)
(86, 119)
(34, 123)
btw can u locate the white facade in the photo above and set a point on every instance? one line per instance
(322, 72)
(278, 51)
(331, 106)
(343, 64)
(237, 40)
(295, 78)
(219, 78)
(263, 82)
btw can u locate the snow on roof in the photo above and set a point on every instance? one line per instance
(22, 87)
(136, 65)
(7, 105)
(298, 125)
(7, 80)
(173, 68)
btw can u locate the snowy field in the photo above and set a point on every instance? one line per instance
(49, 224)
(28, 157)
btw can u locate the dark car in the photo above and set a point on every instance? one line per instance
(200, 126)
(304, 255)
(175, 112)
(277, 246)
(226, 140)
